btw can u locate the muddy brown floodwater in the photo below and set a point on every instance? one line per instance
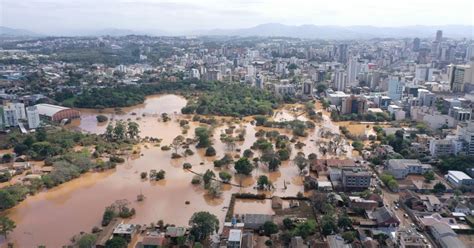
(52, 217)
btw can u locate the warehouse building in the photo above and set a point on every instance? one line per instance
(57, 113)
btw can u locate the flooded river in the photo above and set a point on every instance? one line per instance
(52, 217)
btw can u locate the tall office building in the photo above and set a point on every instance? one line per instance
(340, 80)
(470, 53)
(308, 87)
(416, 44)
(10, 118)
(19, 109)
(2, 119)
(466, 132)
(33, 117)
(459, 76)
(439, 35)
(395, 87)
(353, 70)
(341, 53)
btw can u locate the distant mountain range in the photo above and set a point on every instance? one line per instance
(14, 32)
(277, 29)
(349, 32)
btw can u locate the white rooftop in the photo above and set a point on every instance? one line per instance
(235, 235)
(124, 229)
(338, 94)
(324, 184)
(49, 109)
(459, 175)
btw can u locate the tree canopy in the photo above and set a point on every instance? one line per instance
(203, 224)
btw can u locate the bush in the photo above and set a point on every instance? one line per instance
(305, 229)
(160, 175)
(187, 166)
(210, 152)
(283, 154)
(188, 152)
(196, 180)
(116, 159)
(248, 153)
(143, 175)
(225, 176)
(101, 118)
(108, 216)
(175, 155)
(5, 177)
(226, 160)
(269, 228)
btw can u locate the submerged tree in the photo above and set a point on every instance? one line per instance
(133, 130)
(6, 225)
(177, 143)
(243, 166)
(301, 162)
(203, 136)
(264, 183)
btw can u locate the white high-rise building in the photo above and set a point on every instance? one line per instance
(395, 87)
(10, 117)
(340, 80)
(195, 73)
(421, 72)
(33, 117)
(19, 109)
(353, 70)
(466, 132)
(470, 53)
(2, 118)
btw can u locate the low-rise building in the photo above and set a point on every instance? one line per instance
(445, 236)
(235, 238)
(408, 238)
(401, 168)
(355, 178)
(459, 178)
(431, 202)
(357, 202)
(384, 217)
(126, 231)
(442, 147)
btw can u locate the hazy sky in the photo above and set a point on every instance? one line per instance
(60, 15)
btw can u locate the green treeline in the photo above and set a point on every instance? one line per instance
(216, 98)
(233, 100)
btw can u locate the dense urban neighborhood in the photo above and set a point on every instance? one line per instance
(229, 141)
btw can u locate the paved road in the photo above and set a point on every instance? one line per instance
(389, 199)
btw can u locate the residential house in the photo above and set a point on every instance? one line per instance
(384, 217)
(356, 202)
(431, 203)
